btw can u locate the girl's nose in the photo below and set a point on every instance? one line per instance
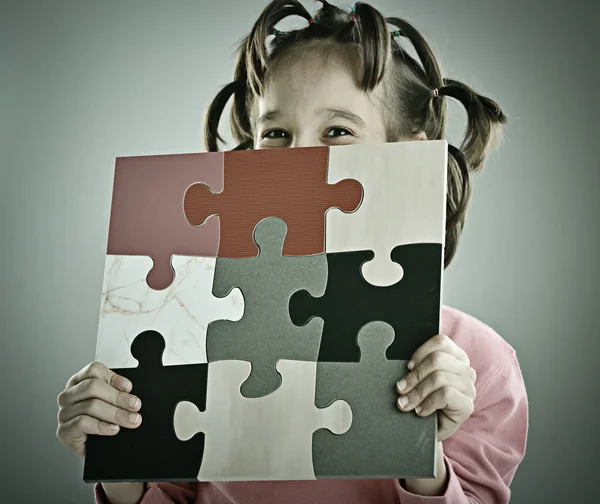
(305, 140)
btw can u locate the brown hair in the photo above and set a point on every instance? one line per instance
(409, 85)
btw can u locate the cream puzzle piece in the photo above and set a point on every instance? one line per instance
(404, 185)
(267, 438)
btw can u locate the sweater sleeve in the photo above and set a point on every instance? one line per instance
(482, 456)
(159, 493)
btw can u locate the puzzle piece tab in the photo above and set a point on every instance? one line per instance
(266, 334)
(411, 306)
(383, 442)
(259, 439)
(152, 451)
(181, 312)
(286, 183)
(147, 217)
(404, 201)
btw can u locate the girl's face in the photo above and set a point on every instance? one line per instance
(313, 101)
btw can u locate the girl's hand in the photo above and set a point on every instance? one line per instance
(95, 401)
(440, 379)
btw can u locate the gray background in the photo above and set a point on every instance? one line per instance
(85, 81)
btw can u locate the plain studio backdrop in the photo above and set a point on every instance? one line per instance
(85, 81)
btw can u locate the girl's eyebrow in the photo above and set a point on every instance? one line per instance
(334, 113)
(344, 114)
(271, 115)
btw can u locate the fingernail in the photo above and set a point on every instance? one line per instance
(125, 384)
(410, 365)
(134, 418)
(418, 409)
(133, 402)
(114, 426)
(402, 385)
(403, 401)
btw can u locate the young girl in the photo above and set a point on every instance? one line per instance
(346, 78)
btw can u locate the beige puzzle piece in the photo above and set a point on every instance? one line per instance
(267, 438)
(404, 201)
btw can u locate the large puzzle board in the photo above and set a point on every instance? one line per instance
(264, 304)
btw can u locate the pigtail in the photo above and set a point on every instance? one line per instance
(257, 57)
(372, 35)
(484, 118)
(433, 73)
(457, 200)
(239, 118)
(429, 72)
(213, 116)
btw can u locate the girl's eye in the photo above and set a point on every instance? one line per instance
(275, 134)
(343, 131)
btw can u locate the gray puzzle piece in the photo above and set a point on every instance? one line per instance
(383, 442)
(265, 333)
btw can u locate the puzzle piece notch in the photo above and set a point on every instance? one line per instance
(266, 334)
(287, 183)
(152, 451)
(404, 201)
(383, 442)
(181, 313)
(147, 217)
(268, 438)
(411, 306)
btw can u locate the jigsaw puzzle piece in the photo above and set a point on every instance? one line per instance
(259, 439)
(181, 312)
(266, 334)
(147, 217)
(404, 201)
(152, 451)
(383, 442)
(412, 306)
(287, 183)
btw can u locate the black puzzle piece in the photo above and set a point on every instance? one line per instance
(152, 452)
(411, 306)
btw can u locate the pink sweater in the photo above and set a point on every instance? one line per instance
(481, 457)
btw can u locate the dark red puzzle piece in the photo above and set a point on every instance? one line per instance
(287, 183)
(147, 215)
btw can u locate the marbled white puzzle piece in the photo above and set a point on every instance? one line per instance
(181, 312)
(147, 217)
(268, 438)
(152, 451)
(404, 201)
(287, 183)
(383, 442)
(265, 333)
(412, 306)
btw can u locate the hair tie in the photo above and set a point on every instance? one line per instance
(435, 93)
(276, 32)
(311, 21)
(353, 8)
(397, 33)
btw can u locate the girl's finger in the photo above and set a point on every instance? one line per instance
(436, 381)
(100, 410)
(456, 405)
(99, 370)
(91, 388)
(435, 361)
(438, 343)
(73, 434)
